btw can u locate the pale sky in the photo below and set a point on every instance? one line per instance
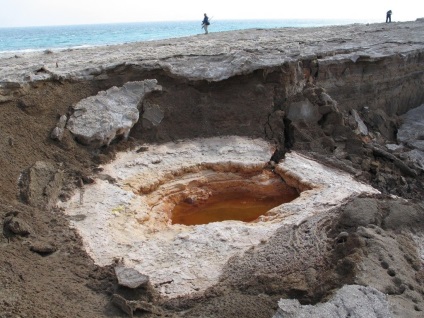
(69, 12)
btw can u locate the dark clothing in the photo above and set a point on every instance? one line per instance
(205, 23)
(205, 20)
(389, 16)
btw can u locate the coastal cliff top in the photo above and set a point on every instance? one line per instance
(220, 55)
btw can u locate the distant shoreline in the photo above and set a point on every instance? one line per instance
(39, 38)
(195, 21)
(209, 54)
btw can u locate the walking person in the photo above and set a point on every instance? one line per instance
(389, 16)
(205, 23)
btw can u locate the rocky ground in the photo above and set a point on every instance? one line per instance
(338, 95)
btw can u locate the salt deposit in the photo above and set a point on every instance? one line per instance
(126, 219)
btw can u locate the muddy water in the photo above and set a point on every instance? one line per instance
(235, 205)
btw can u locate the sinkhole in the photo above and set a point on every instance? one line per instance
(180, 212)
(229, 196)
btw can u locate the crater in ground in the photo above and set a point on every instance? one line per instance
(128, 215)
(213, 194)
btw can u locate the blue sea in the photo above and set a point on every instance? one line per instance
(63, 37)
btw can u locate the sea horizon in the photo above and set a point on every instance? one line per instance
(61, 37)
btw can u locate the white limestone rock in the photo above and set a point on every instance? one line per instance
(99, 119)
(58, 131)
(350, 301)
(130, 278)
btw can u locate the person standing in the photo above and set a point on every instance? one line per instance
(389, 16)
(205, 23)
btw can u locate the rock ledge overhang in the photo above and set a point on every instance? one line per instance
(116, 221)
(220, 55)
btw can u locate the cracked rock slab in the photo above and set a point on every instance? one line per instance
(98, 120)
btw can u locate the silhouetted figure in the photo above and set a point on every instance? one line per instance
(205, 23)
(389, 16)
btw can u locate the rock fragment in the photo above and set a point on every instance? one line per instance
(152, 115)
(98, 120)
(350, 301)
(379, 152)
(342, 237)
(40, 185)
(57, 132)
(130, 306)
(130, 278)
(361, 128)
(43, 248)
(14, 224)
(410, 133)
